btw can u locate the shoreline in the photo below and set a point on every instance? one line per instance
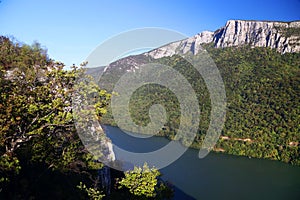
(219, 150)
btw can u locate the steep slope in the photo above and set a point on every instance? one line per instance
(259, 63)
(262, 89)
(282, 36)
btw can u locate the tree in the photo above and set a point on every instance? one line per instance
(36, 121)
(144, 183)
(42, 155)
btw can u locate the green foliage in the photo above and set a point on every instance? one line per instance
(92, 193)
(143, 183)
(41, 153)
(36, 122)
(290, 31)
(10, 166)
(262, 89)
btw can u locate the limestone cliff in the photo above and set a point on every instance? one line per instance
(282, 36)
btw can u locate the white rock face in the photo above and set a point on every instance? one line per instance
(277, 35)
(165, 51)
(192, 44)
(282, 36)
(111, 156)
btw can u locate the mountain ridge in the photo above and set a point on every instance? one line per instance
(222, 38)
(282, 36)
(261, 87)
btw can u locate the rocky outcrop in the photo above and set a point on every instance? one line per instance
(192, 44)
(282, 36)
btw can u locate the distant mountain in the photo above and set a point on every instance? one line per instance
(259, 63)
(282, 36)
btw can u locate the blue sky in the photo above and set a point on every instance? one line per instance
(72, 29)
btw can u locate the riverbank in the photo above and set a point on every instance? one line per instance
(249, 147)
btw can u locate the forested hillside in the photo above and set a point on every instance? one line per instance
(262, 88)
(263, 93)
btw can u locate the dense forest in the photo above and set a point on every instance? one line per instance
(42, 156)
(262, 89)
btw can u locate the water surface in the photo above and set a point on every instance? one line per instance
(218, 176)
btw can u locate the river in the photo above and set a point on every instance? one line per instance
(218, 176)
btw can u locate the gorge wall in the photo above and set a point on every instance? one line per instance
(282, 36)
